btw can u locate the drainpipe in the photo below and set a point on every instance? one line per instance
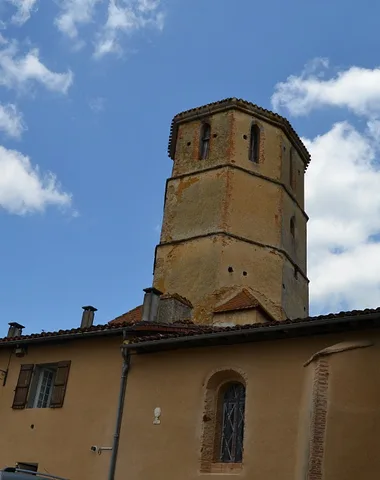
(120, 407)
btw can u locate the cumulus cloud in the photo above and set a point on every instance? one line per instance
(24, 189)
(356, 88)
(343, 202)
(21, 70)
(342, 185)
(24, 10)
(75, 13)
(11, 120)
(126, 17)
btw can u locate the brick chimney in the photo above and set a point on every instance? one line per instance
(174, 308)
(15, 329)
(88, 316)
(150, 305)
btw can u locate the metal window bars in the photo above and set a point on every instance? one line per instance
(231, 450)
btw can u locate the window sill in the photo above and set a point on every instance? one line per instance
(229, 468)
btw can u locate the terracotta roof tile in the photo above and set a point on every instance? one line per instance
(180, 329)
(256, 326)
(133, 316)
(117, 328)
(242, 300)
(237, 103)
(69, 332)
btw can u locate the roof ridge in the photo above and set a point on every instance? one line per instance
(249, 293)
(237, 303)
(253, 326)
(81, 332)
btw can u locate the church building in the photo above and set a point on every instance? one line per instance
(222, 372)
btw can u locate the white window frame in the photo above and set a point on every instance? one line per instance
(40, 370)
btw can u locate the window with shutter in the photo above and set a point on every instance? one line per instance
(60, 383)
(44, 388)
(22, 387)
(43, 383)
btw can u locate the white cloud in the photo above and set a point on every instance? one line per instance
(11, 120)
(24, 10)
(24, 189)
(342, 186)
(343, 202)
(75, 13)
(356, 88)
(126, 17)
(19, 71)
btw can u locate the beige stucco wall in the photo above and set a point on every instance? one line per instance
(353, 421)
(277, 410)
(61, 438)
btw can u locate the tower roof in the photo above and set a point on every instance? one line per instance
(244, 106)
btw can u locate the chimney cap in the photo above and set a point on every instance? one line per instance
(152, 290)
(90, 308)
(16, 325)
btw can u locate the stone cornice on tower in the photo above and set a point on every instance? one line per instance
(244, 106)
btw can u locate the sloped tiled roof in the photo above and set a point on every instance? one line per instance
(95, 330)
(348, 319)
(241, 301)
(103, 330)
(188, 329)
(133, 316)
(237, 103)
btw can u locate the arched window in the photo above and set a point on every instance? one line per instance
(223, 422)
(232, 434)
(205, 141)
(291, 167)
(293, 227)
(254, 143)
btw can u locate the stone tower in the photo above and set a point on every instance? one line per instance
(234, 210)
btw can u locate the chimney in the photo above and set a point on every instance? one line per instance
(150, 305)
(174, 309)
(88, 316)
(15, 330)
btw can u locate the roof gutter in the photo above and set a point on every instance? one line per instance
(60, 337)
(286, 328)
(97, 333)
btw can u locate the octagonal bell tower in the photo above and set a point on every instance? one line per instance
(234, 210)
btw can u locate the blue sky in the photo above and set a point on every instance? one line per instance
(87, 91)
